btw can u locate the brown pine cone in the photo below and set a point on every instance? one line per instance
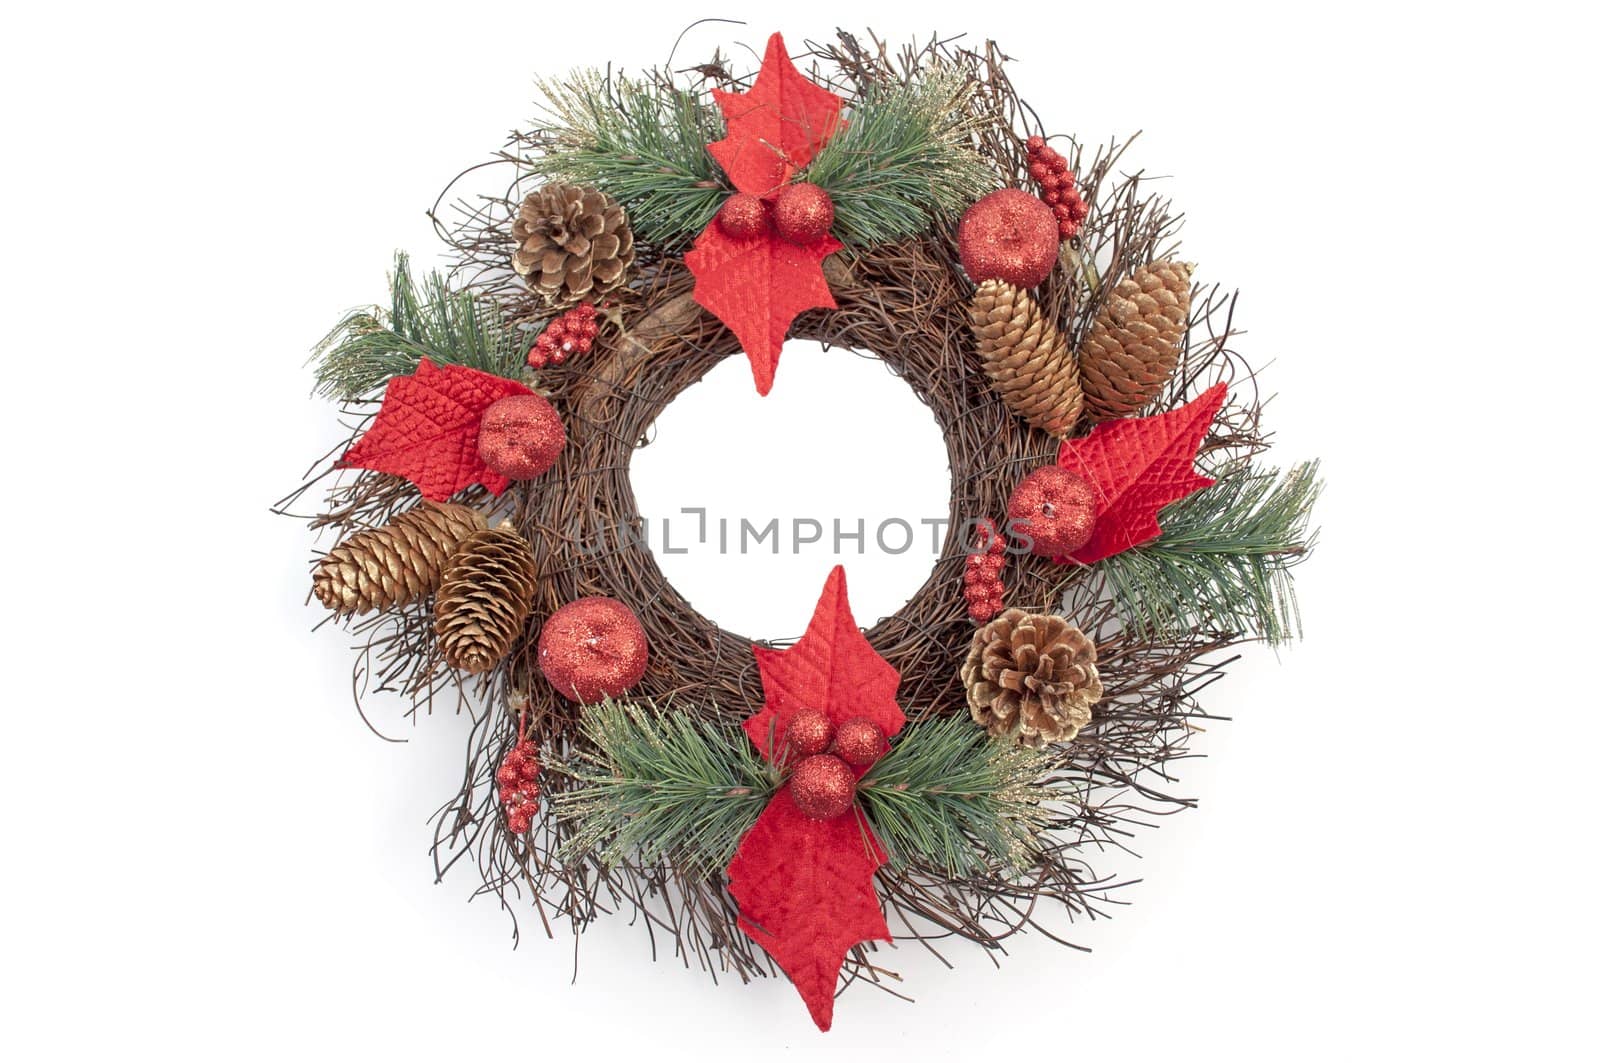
(382, 568)
(1134, 344)
(1031, 676)
(572, 242)
(484, 599)
(1026, 359)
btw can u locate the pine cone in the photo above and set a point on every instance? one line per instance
(1031, 676)
(484, 599)
(1026, 359)
(394, 565)
(572, 242)
(1133, 345)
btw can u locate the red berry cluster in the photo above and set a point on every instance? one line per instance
(519, 785)
(1057, 186)
(981, 581)
(571, 333)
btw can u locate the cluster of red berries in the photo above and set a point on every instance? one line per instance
(519, 785)
(1058, 187)
(571, 333)
(980, 582)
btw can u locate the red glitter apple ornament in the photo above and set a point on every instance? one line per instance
(521, 436)
(1011, 236)
(592, 649)
(1054, 507)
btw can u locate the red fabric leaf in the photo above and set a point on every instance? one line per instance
(427, 430)
(1138, 465)
(805, 895)
(804, 886)
(757, 287)
(776, 127)
(833, 668)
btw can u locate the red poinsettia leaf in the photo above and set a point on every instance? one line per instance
(1138, 465)
(805, 895)
(757, 286)
(804, 886)
(776, 127)
(427, 429)
(833, 668)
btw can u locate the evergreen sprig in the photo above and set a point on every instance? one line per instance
(661, 783)
(948, 794)
(426, 320)
(664, 784)
(643, 142)
(904, 159)
(1224, 557)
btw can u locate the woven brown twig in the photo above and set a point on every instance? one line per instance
(907, 304)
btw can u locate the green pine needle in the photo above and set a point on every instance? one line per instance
(904, 160)
(662, 784)
(949, 795)
(1224, 558)
(369, 347)
(643, 142)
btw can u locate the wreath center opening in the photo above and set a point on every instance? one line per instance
(749, 501)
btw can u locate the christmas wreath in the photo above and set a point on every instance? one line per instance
(1113, 533)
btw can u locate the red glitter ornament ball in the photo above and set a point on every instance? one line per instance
(860, 742)
(744, 216)
(1055, 507)
(593, 648)
(808, 733)
(1011, 236)
(521, 436)
(803, 213)
(518, 779)
(823, 786)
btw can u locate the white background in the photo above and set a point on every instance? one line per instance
(210, 857)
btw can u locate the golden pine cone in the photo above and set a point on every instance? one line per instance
(572, 242)
(1031, 676)
(484, 599)
(394, 565)
(1133, 346)
(1027, 360)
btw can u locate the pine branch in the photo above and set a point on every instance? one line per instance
(661, 784)
(949, 795)
(904, 160)
(643, 142)
(368, 347)
(1224, 558)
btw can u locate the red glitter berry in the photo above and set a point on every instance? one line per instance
(572, 333)
(518, 779)
(981, 584)
(1058, 187)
